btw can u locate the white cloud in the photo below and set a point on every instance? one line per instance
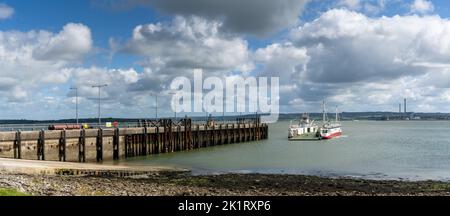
(71, 44)
(351, 56)
(422, 6)
(256, 17)
(285, 61)
(188, 43)
(30, 60)
(5, 11)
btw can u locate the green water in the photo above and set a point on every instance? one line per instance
(410, 150)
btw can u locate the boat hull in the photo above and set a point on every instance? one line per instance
(332, 135)
(305, 137)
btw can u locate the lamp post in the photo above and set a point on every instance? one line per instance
(223, 112)
(99, 102)
(76, 102)
(156, 106)
(174, 93)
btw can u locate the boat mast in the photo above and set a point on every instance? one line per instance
(336, 114)
(323, 112)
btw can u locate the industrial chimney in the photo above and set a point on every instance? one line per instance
(404, 105)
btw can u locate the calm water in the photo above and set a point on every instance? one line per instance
(409, 150)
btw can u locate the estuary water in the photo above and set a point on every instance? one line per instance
(405, 150)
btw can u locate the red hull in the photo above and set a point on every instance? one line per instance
(332, 135)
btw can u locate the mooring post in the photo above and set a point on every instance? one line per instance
(221, 134)
(185, 135)
(164, 136)
(62, 146)
(170, 134)
(136, 145)
(213, 135)
(116, 144)
(158, 138)
(226, 134)
(179, 143)
(127, 145)
(41, 145)
(239, 133)
(196, 137)
(82, 146)
(17, 145)
(145, 140)
(99, 145)
(190, 141)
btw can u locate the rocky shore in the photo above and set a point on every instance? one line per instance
(173, 183)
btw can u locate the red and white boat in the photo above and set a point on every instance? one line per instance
(330, 129)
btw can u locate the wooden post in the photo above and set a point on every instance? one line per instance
(144, 140)
(158, 147)
(179, 141)
(82, 146)
(125, 141)
(239, 133)
(41, 145)
(99, 145)
(17, 145)
(197, 137)
(116, 144)
(62, 146)
(226, 134)
(221, 134)
(206, 136)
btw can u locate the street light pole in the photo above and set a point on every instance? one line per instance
(76, 102)
(173, 93)
(156, 106)
(99, 102)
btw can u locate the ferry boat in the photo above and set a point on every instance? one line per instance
(308, 130)
(305, 130)
(330, 129)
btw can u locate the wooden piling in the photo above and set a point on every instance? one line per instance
(82, 146)
(18, 145)
(144, 140)
(99, 145)
(62, 146)
(41, 145)
(116, 138)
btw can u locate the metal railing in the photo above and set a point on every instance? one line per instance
(128, 124)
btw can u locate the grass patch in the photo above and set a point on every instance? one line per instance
(11, 192)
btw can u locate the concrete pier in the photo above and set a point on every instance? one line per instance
(153, 137)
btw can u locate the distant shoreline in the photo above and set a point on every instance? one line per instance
(373, 115)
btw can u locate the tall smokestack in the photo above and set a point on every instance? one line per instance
(404, 105)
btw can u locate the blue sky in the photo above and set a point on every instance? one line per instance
(360, 55)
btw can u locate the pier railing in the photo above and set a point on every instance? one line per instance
(163, 136)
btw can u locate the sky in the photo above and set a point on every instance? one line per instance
(358, 55)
